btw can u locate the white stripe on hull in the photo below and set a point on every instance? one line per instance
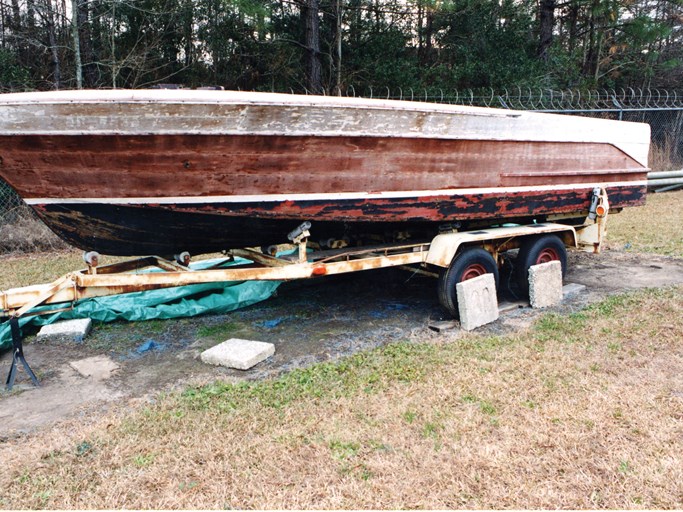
(341, 196)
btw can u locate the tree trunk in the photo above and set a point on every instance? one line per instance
(54, 50)
(112, 42)
(2, 24)
(188, 32)
(86, 47)
(338, 45)
(31, 17)
(310, 13)
(429, 24)
(420, 32)
(16, 16)
(547, 24)
(75, 29)
(573, 25)
(590, 54)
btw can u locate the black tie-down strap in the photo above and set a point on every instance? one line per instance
(18, 355)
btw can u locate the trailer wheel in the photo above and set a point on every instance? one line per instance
(535, 251)
(469, 263)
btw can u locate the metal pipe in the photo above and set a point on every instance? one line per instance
(669, 181)
(669, 188)
(665, 174)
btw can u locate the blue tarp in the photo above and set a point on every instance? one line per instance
(176, 302)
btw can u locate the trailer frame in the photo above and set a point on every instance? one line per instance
(431, 257)
(437, 254)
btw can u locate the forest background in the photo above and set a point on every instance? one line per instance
(338, 46)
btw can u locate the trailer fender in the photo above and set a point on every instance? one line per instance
(444, 247)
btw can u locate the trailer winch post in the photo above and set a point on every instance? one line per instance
(591, 235)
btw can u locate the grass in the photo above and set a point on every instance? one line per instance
(28, 269)
(219, 331)
(653, 228)
(555, 417)
(22, 232)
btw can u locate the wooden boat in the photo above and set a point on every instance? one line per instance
(161, 171)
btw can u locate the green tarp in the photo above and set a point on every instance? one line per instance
(177, 302)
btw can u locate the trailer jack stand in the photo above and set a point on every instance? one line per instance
(18, 355)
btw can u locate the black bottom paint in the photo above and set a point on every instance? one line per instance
(133, 230)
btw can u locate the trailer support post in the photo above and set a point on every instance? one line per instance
(18, 356)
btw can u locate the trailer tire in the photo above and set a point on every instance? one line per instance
(469, 263)
(535, 251)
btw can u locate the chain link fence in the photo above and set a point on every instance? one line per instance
(662, 110)
(20, 229)
(12, 207)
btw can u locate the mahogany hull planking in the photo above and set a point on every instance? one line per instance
(132, 173)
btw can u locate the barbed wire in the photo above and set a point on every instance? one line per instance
(520, 98)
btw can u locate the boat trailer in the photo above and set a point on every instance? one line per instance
(432, 258)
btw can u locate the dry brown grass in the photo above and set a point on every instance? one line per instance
(582, 411)
(661, 155)
(22, 232)
(656, 227)
(35, 268)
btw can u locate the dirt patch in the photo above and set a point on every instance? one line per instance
(308, 322)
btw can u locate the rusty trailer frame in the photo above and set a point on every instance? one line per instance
(125, 277)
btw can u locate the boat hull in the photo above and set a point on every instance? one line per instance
(139, 172)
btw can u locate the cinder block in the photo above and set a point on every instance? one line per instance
(237, 353)
(66, 330)
(477, 301)
(97, 367)
(545, 284)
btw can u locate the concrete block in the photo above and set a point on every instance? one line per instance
(571, 289)
(97, 367)
(66, 330)
(477, 301)
(545, 284)
(237, 353)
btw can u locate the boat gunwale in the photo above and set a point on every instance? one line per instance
(200, 97)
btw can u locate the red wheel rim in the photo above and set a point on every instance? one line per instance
(546, 255)
(474, 270)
